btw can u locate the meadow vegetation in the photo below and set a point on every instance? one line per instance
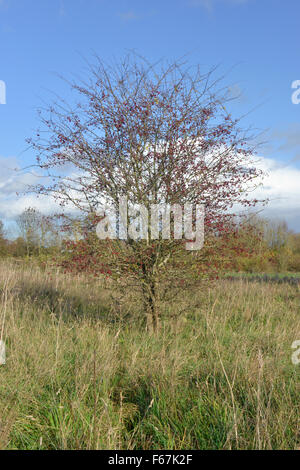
(82, 372)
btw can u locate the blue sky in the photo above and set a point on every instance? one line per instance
(256, 42)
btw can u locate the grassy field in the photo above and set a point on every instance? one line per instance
(82, 373)
(286, 275)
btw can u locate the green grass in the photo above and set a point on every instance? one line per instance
(80, 376)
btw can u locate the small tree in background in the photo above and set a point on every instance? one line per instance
(157, 135)
(28, 223)
(37, 230)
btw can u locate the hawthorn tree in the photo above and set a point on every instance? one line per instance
(155, 134)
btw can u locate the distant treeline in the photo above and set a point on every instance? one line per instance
(260, 245)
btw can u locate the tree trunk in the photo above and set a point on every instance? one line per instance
(151, 299)
(153, 314)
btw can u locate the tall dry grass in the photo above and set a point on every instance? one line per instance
(82, 372)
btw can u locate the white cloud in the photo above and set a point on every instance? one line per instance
(281, 186)
(13, 181)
